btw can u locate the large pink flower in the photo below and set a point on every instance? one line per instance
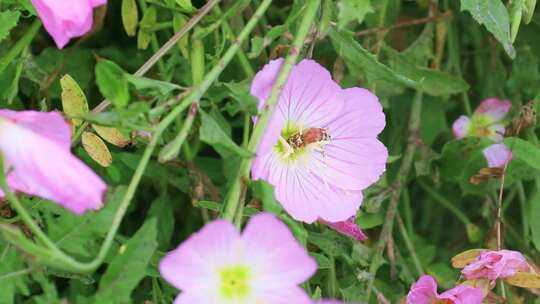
(496, 264)
(37, 158)
(424, 291)
(66, 19)
(320, 149)
(264, 264)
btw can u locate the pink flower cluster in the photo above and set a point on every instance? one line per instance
(487, 121)
(492, 265)
(424, 291)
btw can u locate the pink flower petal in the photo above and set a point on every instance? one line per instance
(199, 296)
(497, 155)
(51, 125)
(463, 294)
(424, 291)
(262, 83)
(348, 228)
(40, 166)
(96, 3)
(350, 163)
(496, 132)
(329, 301)
(461, 127)
(193, 264)
(361, 117)
(494, 107)
(277, 258)
(492, 265)
(287, 295)
(64, 22)
(307, 198)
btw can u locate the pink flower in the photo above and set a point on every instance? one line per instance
(497, 155)
(496, 264)
(485, 122)
(320, 148)
(424, 291)
(37, 158)
(348, 228)
(264, 264)
(66, 19)
(329, 302)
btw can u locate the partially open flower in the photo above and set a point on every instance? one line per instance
(497, 155)
(264, 264)
(66, 19)
(424, 291)
(348, 228)
(320, 148)
(487, 120)
(35, 147)
(492, 265)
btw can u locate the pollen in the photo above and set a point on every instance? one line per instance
(235, 282)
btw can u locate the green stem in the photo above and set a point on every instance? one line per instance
(152, 60)
(172, 149)
(233, 197)
(523, 206)
(69, 263)
(445, 203)
(399, 182)
(20, 45)
(332, 280)
(410, 246)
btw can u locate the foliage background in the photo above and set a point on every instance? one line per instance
(428, 61)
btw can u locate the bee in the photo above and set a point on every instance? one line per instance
(526, 118)
(485, 174)
(309, 136)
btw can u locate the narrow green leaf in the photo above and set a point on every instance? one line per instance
(211, 133)
(128, 267)
(152, 86)
(359, 60)
(148, 21)
(112, 82)
(494, 16)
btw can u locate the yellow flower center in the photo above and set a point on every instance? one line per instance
(235, 282)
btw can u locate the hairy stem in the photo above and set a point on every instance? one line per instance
(399, 182)
(193, 98)
(233, 197)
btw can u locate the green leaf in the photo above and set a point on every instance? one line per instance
(186, 5)
(353, 10)
(112, 82)
(211, 133)
(534, 215)
(152, 86)
(73, 99)
(430, 81)
(130, 16)
(162, 210)
(524, 150)
(147, 22)
(8, 20)
(494, 16)
(359, 60)
(128, 267)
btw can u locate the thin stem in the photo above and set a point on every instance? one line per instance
(399, 182)
(523, 206)
(193, 97)
(233, 197)
(437, 197)
(418, 21)
(332, 280)
(15, 274)
(20, 45)
(410, 246)
(155, 58)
